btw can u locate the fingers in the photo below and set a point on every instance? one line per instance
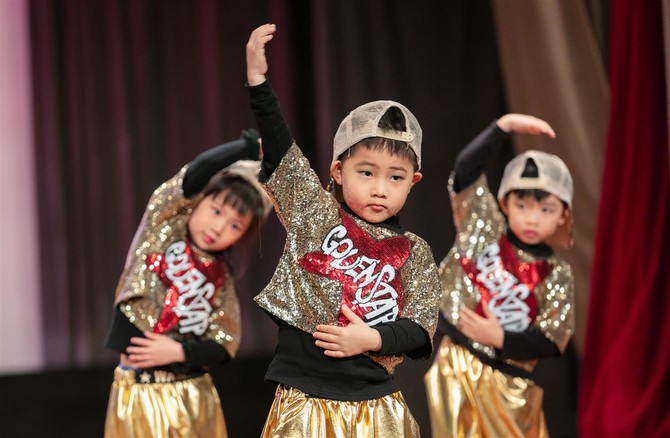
(330, 329)
(136, 340)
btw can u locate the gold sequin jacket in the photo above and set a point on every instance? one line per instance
(309, 213)
(480, 224)
(142, 295)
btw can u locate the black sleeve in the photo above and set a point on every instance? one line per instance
(527, 345)
(205, 165)
(404, 337)
(275, 134)
(473, 159)
(201, 354)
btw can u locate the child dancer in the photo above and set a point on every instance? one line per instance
(176, 313)
(353, 291)
(507, 298)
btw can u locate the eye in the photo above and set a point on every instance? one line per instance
(216, 211)
(397, 178)
(365, 173)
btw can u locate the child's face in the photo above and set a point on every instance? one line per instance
(375, 184)
(534, 221)
(215, 226)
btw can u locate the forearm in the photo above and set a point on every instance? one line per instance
(475, 157)
(275, 134)
(404, 337)
(208, 163)
(527, 345)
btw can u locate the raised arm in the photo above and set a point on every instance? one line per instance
(208, 163)
(473, 159)
(274, 131)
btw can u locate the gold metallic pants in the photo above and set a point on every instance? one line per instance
(467, 398)
(294, 414)
(186, 408)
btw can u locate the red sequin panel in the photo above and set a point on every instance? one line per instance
(189, 267)
(368, 269)
(504, 273)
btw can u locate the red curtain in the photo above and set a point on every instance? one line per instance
(624, 378)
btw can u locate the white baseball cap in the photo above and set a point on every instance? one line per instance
(363, 122)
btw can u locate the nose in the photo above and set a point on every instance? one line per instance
(218, 226)
(379, 188)
(533, 216)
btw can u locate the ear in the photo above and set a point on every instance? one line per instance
(417, 177)
(564, 216)
(336, 171)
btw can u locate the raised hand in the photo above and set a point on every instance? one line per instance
(356, 338)
(485, 330)
(153, 350)
(525, 124)
(257, 64)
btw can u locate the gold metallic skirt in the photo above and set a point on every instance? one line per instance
(294, 414)
(468, 399)
(183, 408)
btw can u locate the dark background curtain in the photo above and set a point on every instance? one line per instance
(624, 375)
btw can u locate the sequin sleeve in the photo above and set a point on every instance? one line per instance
(166, 214)
(224, 322)
(307, 211)
(422, 286)
(556, 304)
(295, 188)
(478, 222)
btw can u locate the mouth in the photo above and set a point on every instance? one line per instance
(207, 239)
(530, 234)
(377, 208)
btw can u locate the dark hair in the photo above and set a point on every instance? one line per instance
(393, 119)
(530, 170)
(240, 194)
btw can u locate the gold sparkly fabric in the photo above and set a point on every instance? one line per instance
(190, 408)
(141, 295)
(296, 415)
(469, 399)
(479, 223)
(309, 213)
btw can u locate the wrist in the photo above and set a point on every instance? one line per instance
(255, 79)
(375, 340)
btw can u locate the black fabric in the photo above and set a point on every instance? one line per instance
(404, 337)
(527, 345)
(541, 250)
(299, 363)
(199, 354)
(208, 163)
(473, 159)
(274, 131)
